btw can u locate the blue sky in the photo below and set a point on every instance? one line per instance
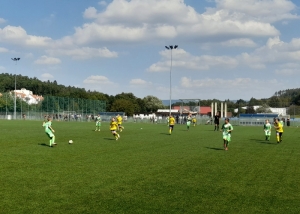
(227, 49)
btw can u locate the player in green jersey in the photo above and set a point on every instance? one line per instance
(98, 123)
(226, 129)
(49, 131)
(267, 130)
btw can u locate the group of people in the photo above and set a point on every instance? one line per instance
(115, 125)
(278, 125)
(227, 128)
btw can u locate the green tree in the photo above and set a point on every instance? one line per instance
(263, 109)
(152, 103)
(123, 105)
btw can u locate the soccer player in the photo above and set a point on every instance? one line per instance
(227, 129)
(171, 124)
(267, 130)
(168, 120)
(194, 121)
(49, 131)
(113, 128)
(119, 121)
(188, 122)
(98, 122)
(217, 122)
(279, 130)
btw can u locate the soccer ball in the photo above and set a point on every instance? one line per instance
(70, 141)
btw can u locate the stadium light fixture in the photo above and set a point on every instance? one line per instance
(171, 47)
(15, 100)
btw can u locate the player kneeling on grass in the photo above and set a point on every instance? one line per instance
(227, 129)
(114, 127)
(49, 131)
(279, 130)
(171, 124)
(267, 130)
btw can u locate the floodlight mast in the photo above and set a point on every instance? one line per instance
(15, 97)
(171, 47)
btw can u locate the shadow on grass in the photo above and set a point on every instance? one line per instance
(106, 138)
(165, 133)
(43, 144)
(263, 142)
(214, 148)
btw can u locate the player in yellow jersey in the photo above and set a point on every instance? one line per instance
(194, 121)
(119, 121)
(113, 128)
(171, 124)
(279, 130)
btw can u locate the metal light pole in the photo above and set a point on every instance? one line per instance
(171, 47)
(15, 101)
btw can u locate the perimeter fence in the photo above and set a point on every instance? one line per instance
(60, 108)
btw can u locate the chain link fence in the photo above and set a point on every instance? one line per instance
(60, 108)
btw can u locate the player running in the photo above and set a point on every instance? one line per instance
(119, 121)
(227, 129)
(188, 122)
(98, 123)
(194, 121)
(171, 124)
(279, 130)
(113, 128)
(49, 131)
(267, 130)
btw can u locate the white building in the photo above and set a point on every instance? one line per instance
(28, 96)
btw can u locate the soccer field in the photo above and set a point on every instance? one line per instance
(147, 170)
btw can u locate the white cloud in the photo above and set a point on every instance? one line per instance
(231, 88)
(260, 10)
(90, 13)
(186, 61)
(47, 76)
(17, 35)
(137, 21)
(3, 50)
(2, 68)
(274, 52)
(243, 42)
(45, 60)
(83, 53)
(287, 72)
(97, 79)
(139, 83)
(102, 3)
(2, 20)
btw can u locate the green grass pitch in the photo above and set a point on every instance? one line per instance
(147, 170)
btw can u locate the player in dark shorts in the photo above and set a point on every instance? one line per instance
(217, 122)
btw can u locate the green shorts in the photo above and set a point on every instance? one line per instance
(227, 137)
(50, 134)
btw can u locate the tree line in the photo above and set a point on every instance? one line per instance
(123, 102)
(130, 104)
